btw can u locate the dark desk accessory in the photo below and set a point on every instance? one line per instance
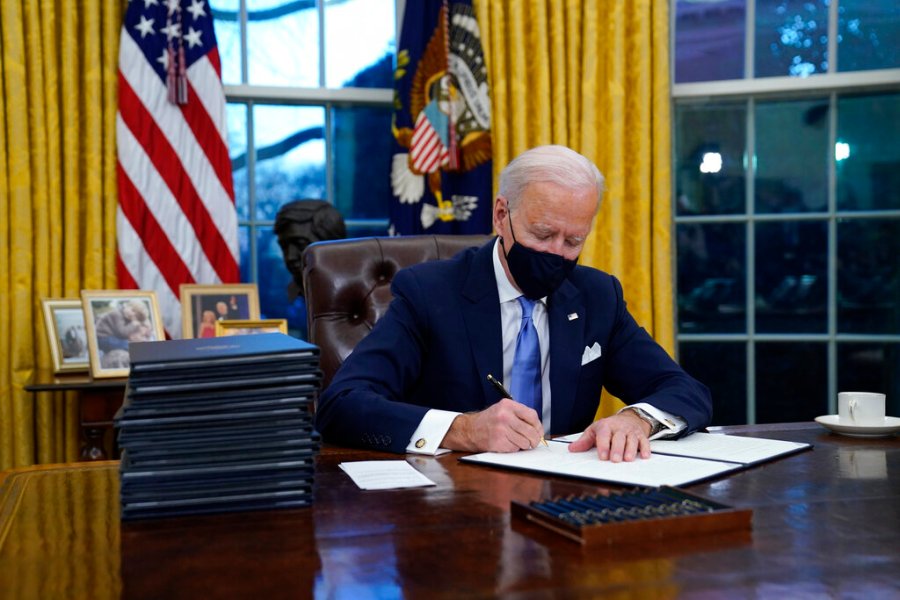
(637, 515)
(218, 426)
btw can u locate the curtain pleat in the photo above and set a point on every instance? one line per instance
(662, 253)
(8, 76)
(16, 307)
(57, 200)
(594, 75)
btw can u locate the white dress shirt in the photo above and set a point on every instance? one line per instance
(436, 423)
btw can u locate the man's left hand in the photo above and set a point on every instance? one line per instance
(620, 437)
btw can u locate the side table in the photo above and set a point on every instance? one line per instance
(98, 401)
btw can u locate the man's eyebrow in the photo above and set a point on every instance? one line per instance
(542, 227)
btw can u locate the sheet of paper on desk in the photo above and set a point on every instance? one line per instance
(384, 474)
(717, 446)
(657, 470)
(731, 448)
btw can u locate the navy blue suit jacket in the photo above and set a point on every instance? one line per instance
(441, 336)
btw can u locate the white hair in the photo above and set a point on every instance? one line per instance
(553, 164)
(138, 306)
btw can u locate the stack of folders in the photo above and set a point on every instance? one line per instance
(218, 425)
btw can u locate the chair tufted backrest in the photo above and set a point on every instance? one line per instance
(347, 285)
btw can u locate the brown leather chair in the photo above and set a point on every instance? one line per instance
(347, 285)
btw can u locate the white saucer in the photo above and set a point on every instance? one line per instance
(833, 422)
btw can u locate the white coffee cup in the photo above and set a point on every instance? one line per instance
(861, 408)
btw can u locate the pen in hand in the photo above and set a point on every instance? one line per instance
(499, 387)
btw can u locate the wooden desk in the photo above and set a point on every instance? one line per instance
(98, 401)
(826, 524)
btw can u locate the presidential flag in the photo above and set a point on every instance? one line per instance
(176, 221)
(441, 165)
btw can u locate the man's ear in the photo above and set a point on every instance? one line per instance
(501, 210)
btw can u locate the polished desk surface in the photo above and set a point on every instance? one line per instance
(826, 523)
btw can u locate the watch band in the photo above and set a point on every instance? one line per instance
(655, 426)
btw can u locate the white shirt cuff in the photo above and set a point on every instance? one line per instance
(671, 425)
(427, 437)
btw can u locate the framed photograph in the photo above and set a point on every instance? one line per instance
(115, 318)
(249, 326)
(64, 320)
(203, 305)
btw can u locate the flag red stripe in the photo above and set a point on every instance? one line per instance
(213, 56)
(423, 133)
(428, 139)
(422, 148)
(429, 156)
(126, 281)
(427, 149)
(171, 170)
(204, 129)
(156, 242)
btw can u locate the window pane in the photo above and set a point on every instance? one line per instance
(367, 228)
(871, 367)
(791, 382)
(711, 272)
(792, 156)
(869, 276)
(227, 21)
(710, 142)
(283, 43)
(290, 156)
(791, 38)
(868, 35)
(791, 280)
(244, 249)
(368, 27)
(236, 117)
(722, 366)
(868, 152)
(362, 159)
(709, 40)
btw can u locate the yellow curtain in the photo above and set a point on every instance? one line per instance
(594, 75)
(57, 199)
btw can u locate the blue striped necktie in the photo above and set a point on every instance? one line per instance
(526, 369)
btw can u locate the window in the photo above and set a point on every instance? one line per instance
(309, 89)
(787, 209)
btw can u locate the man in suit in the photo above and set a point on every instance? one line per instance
(418, 382)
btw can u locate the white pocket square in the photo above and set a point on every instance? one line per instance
(590, 353)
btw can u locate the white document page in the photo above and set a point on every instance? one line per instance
(718, 446)
(731, 448)
(657, 470)
(384, 474)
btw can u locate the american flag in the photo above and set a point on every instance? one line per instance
(176, 221)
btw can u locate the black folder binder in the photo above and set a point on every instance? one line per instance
(218, 425)
(233, 350)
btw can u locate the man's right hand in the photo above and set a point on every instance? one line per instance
(506, 426)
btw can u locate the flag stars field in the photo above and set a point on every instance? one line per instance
(145, 26)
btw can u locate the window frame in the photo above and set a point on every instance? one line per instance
(751, 90)
(324, 97)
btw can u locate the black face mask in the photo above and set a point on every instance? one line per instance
(537, 274)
